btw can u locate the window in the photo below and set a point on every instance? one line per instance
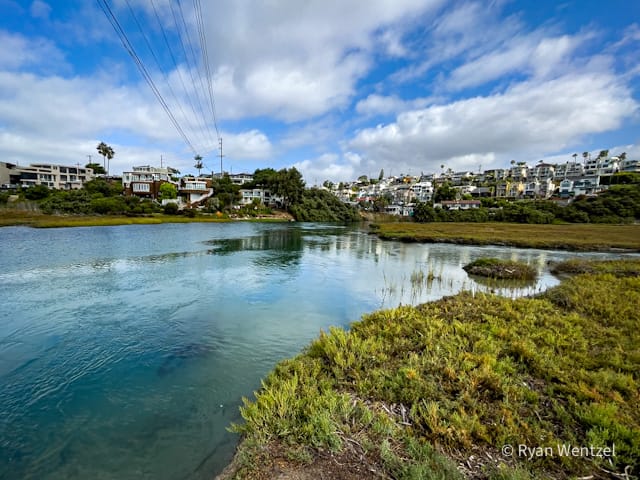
(141, 187)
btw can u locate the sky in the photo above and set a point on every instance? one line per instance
(335, 88)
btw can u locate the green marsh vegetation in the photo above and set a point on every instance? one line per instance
(561, 237)
(437, 390)
(501, 269)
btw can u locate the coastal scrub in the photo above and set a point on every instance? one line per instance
(476, 386)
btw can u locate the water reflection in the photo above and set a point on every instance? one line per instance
(127, 349)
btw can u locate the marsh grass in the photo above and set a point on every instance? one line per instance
(560, 237)
(501, 269)
(419, 389)
(615, 267)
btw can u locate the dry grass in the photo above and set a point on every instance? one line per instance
(561, 237)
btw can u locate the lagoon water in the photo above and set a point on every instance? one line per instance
(125, 351)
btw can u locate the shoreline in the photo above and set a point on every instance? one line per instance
(352, 404)
(39, 220)
(569, 237)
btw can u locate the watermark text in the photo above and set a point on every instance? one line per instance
(559, 450)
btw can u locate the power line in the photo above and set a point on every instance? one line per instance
(189, 66)
(155, 57)
(106, 9)
(205, 59)
(173, 58)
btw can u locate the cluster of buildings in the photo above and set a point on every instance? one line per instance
(61, 177)
(520, 181)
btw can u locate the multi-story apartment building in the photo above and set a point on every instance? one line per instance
(61, 177)
(145, 181)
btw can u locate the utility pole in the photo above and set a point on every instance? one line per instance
(221, 155)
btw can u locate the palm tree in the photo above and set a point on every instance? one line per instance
(585, 155)
(198, 164)
(622, 156)
(107, 154)
(603, 154)
(575, 155)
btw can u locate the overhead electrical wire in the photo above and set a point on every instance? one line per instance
(129, 48)
(191, 67)
(197, 104)
(175, 64)
(157, 61)
(205, 60)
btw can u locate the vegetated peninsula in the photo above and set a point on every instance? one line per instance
(470, 386)
(267, 195)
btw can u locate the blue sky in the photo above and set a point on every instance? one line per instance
(338, 89)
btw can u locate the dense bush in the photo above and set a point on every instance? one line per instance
(37, 192)
(171, 208)
(86, 203)
(318, 205)
(619, 204)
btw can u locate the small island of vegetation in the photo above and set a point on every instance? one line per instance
(501, 269)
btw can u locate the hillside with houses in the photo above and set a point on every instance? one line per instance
(147, 189)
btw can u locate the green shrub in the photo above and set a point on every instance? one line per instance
(171, 208)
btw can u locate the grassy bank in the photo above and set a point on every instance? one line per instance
(39, 220)
(465, 387)
(562, 237)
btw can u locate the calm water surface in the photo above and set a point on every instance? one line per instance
(125, 351)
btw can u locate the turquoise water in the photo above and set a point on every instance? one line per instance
(125, 351)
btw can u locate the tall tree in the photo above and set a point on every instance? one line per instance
(107, 154)
(381, 176)
(289, 185)
(199, 165)
(585, 155)
(96, 167)
(575, 155)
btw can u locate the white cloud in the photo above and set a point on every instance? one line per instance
(332, 167)
(19, 52)
(376, 104)
(295, 60)
(529, 117)
(252, 144)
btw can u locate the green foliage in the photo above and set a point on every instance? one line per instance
(619, 268)
(469, 374)
(316, 205)
(37, 192)
(103, 187)
(96, 167)
(289, 185)
(168, 191)
(619, 204)
(226, 192)
(171, 208)
(255, 209)
(445, 192)
(83, 202)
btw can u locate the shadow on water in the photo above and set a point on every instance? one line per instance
(179, 356)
